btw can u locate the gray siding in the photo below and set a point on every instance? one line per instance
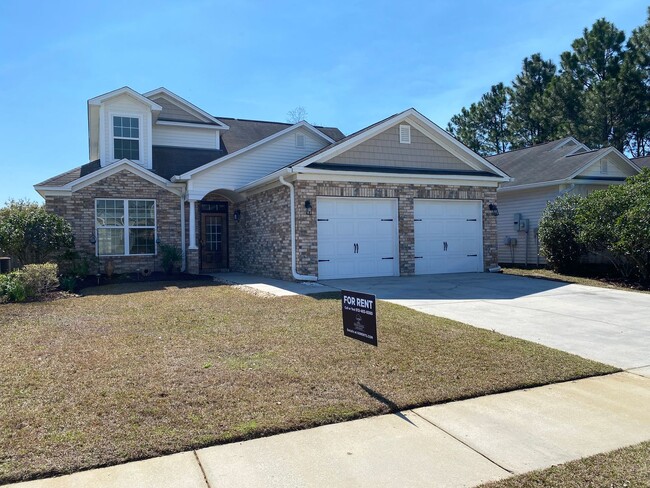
(385, 150)
(530, 204)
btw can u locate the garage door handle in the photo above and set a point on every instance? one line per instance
(419, 257)
(386, 220)
(323, 220)
(356, 248)
(417, 220)
(471, 220)
(388, 258)
(472, 255)
(444, 246)
(323, 260)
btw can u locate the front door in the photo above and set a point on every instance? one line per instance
(214, 236)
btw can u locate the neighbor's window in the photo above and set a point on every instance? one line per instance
(125, 227)
(126, 138)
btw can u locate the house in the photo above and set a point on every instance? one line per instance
(540, 174)
(293, 201)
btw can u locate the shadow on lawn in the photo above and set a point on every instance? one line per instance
(394, 408)
(142, 286)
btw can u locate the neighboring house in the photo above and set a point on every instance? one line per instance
(643, 162)
(540, 174)
(399, 197)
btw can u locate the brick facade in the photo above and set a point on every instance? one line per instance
(306, 235)
(79, 210)
(260, 242)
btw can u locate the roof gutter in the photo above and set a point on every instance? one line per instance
(292, 199)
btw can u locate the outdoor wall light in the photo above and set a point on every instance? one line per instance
(237, 215)
(494, 209)
(158, 241)
(92, 239)
(308, 207)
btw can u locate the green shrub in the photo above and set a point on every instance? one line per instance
(615, 222)
(171, 257)
(39, 279)
(558, 233)
(68, 282)
(32, 234)
(11, 288)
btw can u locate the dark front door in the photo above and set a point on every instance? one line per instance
(214, 241)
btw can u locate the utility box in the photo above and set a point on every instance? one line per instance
(5, 265)
(524, 225)
(516, 221)
(510, 241)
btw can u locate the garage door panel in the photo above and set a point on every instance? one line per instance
(456, 223)
(369, 223)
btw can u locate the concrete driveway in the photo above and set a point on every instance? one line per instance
(611, 326)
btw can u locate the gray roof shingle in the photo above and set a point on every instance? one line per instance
(170, 161)
(643, 162)
(542, 163)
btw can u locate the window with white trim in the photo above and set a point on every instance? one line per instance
(125, 227)
(405, 134)
(126, 138)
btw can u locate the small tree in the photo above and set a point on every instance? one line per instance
(296, 115)
(30, 233)
(558, 233)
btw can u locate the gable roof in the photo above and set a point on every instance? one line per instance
(98, 174)
(245, 132)
(548, 163)
(290, 128)
(421, 123)
(125, 90)
(189, 107)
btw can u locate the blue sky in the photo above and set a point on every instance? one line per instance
(348, 63)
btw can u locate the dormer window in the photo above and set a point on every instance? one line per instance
(126, 138)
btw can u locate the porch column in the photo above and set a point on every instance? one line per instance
(192, 224)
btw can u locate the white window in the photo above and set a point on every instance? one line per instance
(603, 167)
(300, 140)
(405, 134)
(125, 227)
(126, 138)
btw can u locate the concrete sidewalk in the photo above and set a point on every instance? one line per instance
(456, 444)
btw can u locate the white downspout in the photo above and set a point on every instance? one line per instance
(183, 249)
(296, 276)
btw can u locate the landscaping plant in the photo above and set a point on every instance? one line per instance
(30, 233)
(558, 233)
(171, 257)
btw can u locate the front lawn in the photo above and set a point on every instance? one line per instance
(138, 370)
(624, 468)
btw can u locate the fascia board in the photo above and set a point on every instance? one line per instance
(190, 124)
(115, 168)
(125, 90)
(598, 157)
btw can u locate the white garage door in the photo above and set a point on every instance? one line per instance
(448, 236)
(357, 237)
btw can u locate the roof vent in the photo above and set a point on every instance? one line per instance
(300, 140)
(405, 134)
(603, 166)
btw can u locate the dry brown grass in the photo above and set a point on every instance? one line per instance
(139, 370)
(547, 274)
(624, 468)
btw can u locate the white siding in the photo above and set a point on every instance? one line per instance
(615, 169)
(254, 164)
(124, 105)
(530, 204)
(185, 137)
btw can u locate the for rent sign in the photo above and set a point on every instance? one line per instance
(359, 316)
